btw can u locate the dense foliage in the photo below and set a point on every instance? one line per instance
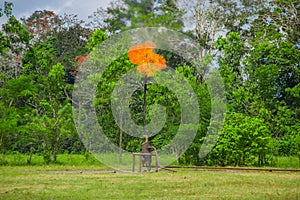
(258, 56)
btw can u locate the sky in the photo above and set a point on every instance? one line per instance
(84, 8)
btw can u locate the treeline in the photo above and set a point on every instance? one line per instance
(258, 57)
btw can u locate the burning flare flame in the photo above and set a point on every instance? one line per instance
(148, 62)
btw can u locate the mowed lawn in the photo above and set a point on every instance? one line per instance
(71, 182)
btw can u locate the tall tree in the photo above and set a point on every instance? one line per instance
(125, 14)
(14, 42)
(260, 71)
(43, 24)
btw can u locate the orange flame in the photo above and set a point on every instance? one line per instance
(148, 62)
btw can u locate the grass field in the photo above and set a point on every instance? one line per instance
(72, 182)
(81, 177)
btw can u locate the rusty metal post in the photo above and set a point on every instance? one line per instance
(156, 162)
(140, 164)
(146, 148)
(133, 162)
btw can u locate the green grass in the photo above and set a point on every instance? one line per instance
(35, 182)
(287, 162)
(62, 159)
(18, 159)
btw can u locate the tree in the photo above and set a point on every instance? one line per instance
(126, 14)
(36, 97)
(53, 122)
(14, 42)
(15, 89)
(43, 24)
(71, 41)
(260, 69)
(67, 32)
(164, 13)
(242, 140)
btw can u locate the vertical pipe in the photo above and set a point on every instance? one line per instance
(144, 104)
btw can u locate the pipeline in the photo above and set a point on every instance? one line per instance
(232, 168)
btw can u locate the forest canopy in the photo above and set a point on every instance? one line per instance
(256, 46)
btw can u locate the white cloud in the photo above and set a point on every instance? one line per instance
(68, 3)
(86, 8)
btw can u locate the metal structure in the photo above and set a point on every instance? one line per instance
(145, 158)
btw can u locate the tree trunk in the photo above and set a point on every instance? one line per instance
(121, 136)
(54, 153)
